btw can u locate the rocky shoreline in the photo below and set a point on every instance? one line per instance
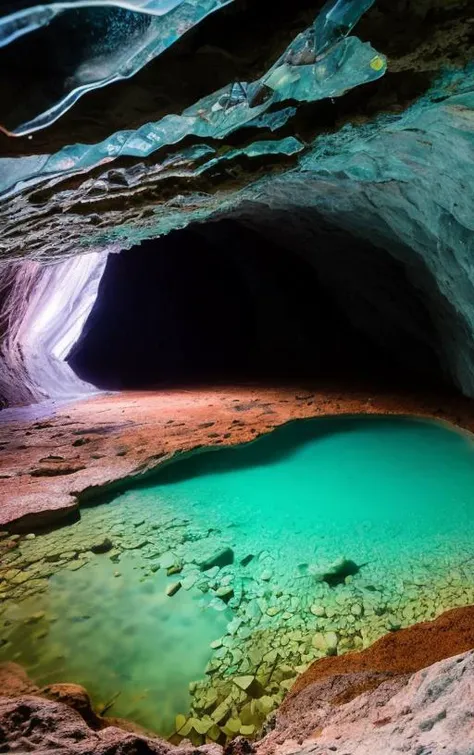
(53, 458)
(279, 627)
(278, 624)
(383, 699)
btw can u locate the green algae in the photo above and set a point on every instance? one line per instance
(339, 530)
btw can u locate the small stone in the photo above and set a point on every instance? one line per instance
(266, 575)
(167, 560)
(255, 655)
(318, 642)
(247, 559)
(243, 682)
(234, 625)
(20, 578)
(225, 593)
(173, 589)
(102, 546)
(237, 656)
(393, 624)
(189, 581)
(222, 710)
(234, 725)
(249, 684)
(265, 705)
(30, 536)
(186, 728)
(248, 730)
(272, 611)
(175, 569)
(76, 564)
(210, 699)
(35, 617)
(271, 657)
(203, 725)
(221, 558)
(214, 733)
(331, 642)
(325, 643)
(356, 609)
(318, 610)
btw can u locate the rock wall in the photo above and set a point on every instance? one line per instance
(42, 310)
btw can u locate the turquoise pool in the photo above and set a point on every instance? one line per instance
(319, 538)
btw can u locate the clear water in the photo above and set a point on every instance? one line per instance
(394, 495)
(117, 636)
(371, 488)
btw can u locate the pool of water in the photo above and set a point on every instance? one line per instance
(320, 538)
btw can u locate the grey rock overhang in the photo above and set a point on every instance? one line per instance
(200, 171)
(369, 164)
(322, 62)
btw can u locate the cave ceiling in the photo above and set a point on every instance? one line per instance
(160, 113)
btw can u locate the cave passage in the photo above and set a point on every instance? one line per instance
(223, 302)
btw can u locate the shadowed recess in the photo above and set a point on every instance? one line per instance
(222, 301)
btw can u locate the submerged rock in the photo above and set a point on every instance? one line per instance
(102, 546)
(221, 558)
(173, 589)
(225, 593)
(247, 559)
(336, 573)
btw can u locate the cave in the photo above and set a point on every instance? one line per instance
(222, 302)
(236, 377)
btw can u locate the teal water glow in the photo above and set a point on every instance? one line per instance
(394, 495)
(371, 488)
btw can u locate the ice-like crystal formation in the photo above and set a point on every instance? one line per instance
(118, 38)
(302, 73)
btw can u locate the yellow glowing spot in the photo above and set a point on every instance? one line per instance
(377, 63)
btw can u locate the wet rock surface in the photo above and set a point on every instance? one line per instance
(352, 707)
(277, 623)
(156, 426)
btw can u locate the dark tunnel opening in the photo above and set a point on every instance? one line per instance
(221, 302)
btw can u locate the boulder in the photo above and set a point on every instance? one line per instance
(173, 589)
(102, 546)
(220, 558)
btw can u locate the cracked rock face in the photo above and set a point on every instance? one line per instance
(427, 712)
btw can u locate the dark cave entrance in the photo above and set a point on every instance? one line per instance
(221, 302)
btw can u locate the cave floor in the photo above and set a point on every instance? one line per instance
(54, 457)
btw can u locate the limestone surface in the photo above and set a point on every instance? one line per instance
(429, 712)
(130, 434)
